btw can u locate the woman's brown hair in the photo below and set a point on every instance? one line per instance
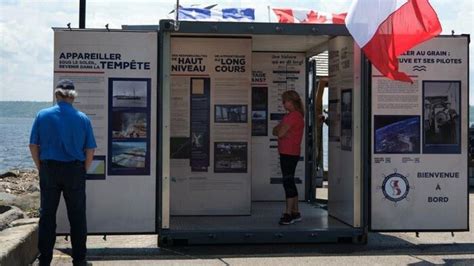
(294, 97)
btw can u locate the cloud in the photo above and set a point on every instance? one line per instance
(10, 2)
(118, 13)
(27, 48)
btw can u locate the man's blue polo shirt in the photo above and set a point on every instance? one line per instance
(62, 132)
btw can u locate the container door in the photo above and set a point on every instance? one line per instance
(419, 141)
(344, 133)
(115, 77)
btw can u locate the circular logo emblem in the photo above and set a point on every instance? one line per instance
(395, 187)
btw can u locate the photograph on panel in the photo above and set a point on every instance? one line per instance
(230, 113)
(230, 157)
(129, 125)
(198, 139)
(129, 93)
(128, 154)
(97, 168)
(397, 134)
(180, 147)
(199, 156)
(441, 116)
(259, 123)
(259, 111)
(346, 120)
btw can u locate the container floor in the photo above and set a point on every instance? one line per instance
(264, 216)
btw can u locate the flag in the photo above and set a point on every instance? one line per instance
(385, 29)
(238, 14)
(191, 13)
(287, 15)
(212, 13)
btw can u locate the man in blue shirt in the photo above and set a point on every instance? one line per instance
(62, 146)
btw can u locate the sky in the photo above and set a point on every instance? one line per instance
(26, 35)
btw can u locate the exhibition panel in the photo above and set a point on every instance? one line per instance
(210, 126)
(114, 73)
(420, 135)
(272, 74)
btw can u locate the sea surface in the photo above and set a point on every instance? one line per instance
(16, 119)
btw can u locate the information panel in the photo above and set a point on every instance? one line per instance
(210, 126)
(273, 73)
(114, 73)
(419, 140)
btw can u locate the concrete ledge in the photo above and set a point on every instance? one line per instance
(19, 243)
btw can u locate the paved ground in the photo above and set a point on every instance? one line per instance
(382, 249)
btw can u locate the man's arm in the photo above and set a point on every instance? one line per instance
(90, 145)
(34, 150)
(89, 157)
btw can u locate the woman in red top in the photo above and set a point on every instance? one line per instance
(290, 133)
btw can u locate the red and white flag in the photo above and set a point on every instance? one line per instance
(385, 29)
(287, 15)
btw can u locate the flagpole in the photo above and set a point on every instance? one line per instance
(268, 7)
(176, 23)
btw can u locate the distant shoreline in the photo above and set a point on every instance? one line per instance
(22, 109)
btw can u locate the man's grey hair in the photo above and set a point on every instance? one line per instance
(65, 89)
(65, 93)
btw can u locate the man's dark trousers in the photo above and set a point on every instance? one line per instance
(69, 178)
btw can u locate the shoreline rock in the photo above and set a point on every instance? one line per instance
(13, 173)
(19, 192)
(10, 216)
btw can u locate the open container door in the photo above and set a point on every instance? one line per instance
(345, 153)
(115, 75)
(419, 147)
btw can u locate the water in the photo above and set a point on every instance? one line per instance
(14, 143)
(16, 119)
